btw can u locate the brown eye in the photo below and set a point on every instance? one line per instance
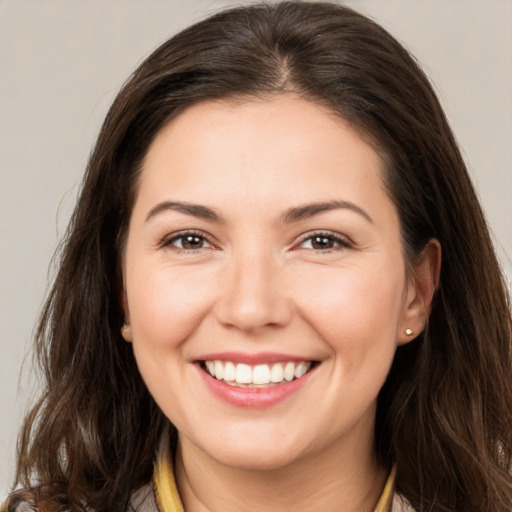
(324, 242)
(188, 242)
(192, 242)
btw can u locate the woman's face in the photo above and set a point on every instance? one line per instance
(263, 245)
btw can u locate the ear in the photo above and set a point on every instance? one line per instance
(423, 280)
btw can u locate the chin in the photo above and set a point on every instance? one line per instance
(253, 452)
(256, 459)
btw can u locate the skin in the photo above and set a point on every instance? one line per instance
(256, 282)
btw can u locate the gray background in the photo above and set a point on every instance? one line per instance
(61, 63)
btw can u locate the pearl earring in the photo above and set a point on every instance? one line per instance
(409, 332)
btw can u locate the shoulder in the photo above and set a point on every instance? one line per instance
(143, 500)
(400, 504)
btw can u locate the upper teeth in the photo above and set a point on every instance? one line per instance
(258, 375)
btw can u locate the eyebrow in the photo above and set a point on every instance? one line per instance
(309, 210)
(292, 215)
(196, 210)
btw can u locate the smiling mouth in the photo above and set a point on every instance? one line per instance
(257, 376)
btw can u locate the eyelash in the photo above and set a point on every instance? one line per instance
(339, 242)
(170, 241)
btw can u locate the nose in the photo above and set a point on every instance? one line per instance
(253, 295)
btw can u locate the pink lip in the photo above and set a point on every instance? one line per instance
(252, 359)
(253, 398)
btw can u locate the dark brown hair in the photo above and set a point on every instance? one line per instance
(445, 413)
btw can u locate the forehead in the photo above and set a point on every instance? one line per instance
(284, 136)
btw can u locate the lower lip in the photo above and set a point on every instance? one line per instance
(254, 398)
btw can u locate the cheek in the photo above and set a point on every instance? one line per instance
(353, 308)
(166, 304)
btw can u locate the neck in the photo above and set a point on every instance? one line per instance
(341, 478)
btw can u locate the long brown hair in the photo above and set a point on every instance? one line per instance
(444, 415)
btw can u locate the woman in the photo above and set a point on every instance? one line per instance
(277, 283)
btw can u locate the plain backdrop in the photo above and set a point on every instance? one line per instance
(61, 64)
